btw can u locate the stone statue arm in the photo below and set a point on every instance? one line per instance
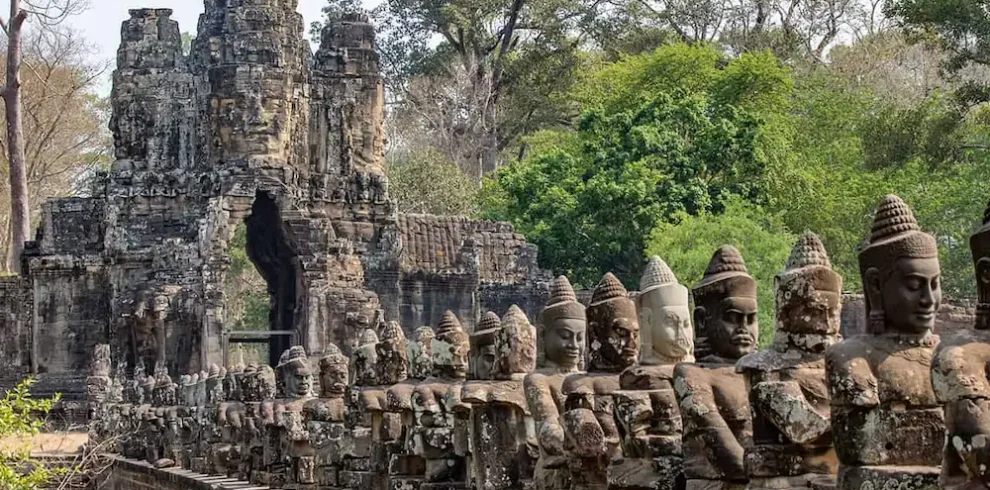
(960, 372)
(851, 381)
(785, 406)
(701, 415)
(539, 397)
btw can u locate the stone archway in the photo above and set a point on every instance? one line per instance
(269, 250)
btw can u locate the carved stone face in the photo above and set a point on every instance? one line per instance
(670, 332)
(333, 379)
(615, 331)
(733, 328)
(160, 304)
(484, 360)
(298, 383)
(564, 342)
(450, 356)
(910, 296)
(366, 365)
(816, 313)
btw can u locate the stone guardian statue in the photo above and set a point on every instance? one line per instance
(887, 425)
(712, 397)
(792, 444)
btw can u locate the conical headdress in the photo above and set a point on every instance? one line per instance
(809, 261)
(515, 343)
(393, 331)
(333, 358)
(726, 275)
(294, 358)
(657, 274)
(214, 371)
(808, 251)
(424, 335)
(368, 337)
(562, 303)
(449, 325)
(895, 235)
(561, 291)
(488, 322)
(608, 289)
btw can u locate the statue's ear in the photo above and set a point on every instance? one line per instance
(983, 272)
(645, 317)
(872, 287)
(699, 320)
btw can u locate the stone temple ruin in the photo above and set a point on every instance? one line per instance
(249, 127)
(391, 367)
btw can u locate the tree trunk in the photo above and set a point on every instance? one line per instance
(20, 214)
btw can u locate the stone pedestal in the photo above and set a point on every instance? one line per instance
(880, 477)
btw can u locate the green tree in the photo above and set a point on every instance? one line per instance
(20, 418)
(961, 27)
(687, 243)
(681, 139)
(423, 181)
(248, 302)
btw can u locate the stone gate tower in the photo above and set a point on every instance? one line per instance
(248, 127)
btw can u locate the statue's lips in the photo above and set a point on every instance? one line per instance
(744, 340)
(925, 315)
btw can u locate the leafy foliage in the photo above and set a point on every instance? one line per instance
(424, 181)
(679, 139)
(20, 417)
(687, 243)
(248, 302)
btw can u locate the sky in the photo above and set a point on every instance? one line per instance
(100, 25)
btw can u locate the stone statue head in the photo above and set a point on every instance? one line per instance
(664, 316)
(900, 271)
(515, 343)
(421, 353)
(186, 384)
(483, 353)
(200, 392)
(450, 349)
(101, 363)
(164, 394)
(231, 383)
(160, 304)
(134, 385)
(333, 373)
(565, 326)
(365, 359)
(297, 377)
(393, 352)
(214, 384)
(146, 388)
(725, 305)
(979, 244)
(267, 385)
(249, 383)
(613, 329)
(809, 297)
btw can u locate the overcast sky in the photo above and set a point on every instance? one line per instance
(101, 23)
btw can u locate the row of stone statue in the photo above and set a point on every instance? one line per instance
(614, 398)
